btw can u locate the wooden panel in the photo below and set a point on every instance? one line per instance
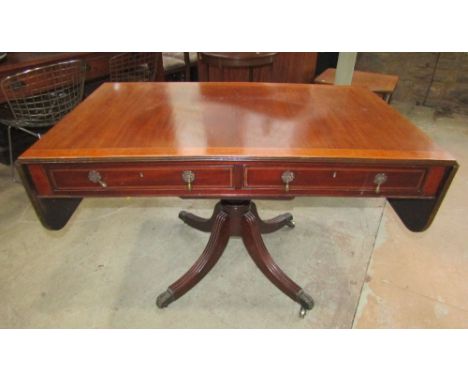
(139, 176)
(235, 67)
(434, 180)
(254, 179)
(228, 74)
(294, 67)
(97, 67)
(336, 178)
(39, 179)
(287, 67)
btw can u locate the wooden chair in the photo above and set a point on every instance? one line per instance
(40, 97)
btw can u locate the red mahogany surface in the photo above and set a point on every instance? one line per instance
(234, 121)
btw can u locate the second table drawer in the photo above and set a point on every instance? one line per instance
(379, 180)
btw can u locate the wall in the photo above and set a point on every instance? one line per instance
(438, 80)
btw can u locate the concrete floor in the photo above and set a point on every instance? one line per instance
(420, 280)
(106, 267)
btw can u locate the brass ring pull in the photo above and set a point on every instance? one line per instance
(379, 179)
(287, 177)
(188, 177)
(95, 177)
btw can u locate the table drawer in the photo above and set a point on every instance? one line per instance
(379, 180)
(112, 177)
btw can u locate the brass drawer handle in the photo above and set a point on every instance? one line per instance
(287, 177)
(379, 179)
(95, 177)
(188, 177)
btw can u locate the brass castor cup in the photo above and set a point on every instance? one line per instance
(164, 299)
(307, 303)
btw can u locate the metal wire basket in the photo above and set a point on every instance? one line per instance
(133, 67)
(40, 97)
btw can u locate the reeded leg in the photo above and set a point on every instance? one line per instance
(236, 218)
(272, 225)
(213, 251)
(256, 247)
(199, 223)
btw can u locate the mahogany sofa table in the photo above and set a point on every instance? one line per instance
(235, 142)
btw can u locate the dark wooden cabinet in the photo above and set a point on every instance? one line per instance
(284, 67)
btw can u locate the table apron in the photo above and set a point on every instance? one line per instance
(234, 179)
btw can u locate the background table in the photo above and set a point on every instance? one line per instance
(382, 84)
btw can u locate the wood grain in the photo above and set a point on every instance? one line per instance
(295, 67)
(233, 120)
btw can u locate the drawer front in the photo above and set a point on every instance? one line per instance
(139, 177)
(379, 180)
(233, 179)
(97, 67)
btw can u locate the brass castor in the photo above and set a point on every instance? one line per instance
(291, 223)
(307, 303)
(302, 312)
(164, 299)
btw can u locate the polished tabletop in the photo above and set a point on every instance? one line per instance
(234, 120)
